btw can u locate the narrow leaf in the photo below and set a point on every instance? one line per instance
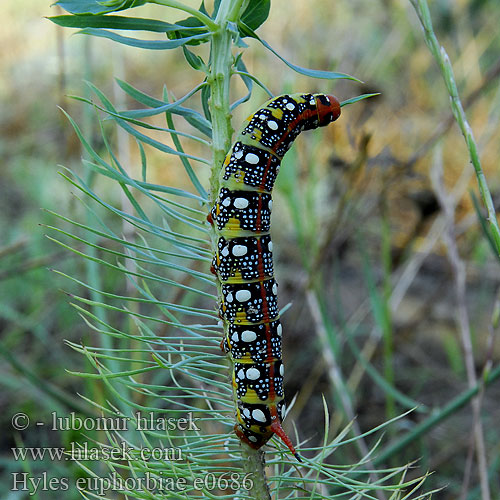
(313, 73)
(192, 117)
(358, 98)
(240, 66)
(95, 6)
(144, 138)
(185, 162)
(114, 22)
(142, 44)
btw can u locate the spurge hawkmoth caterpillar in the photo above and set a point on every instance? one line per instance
(243, 261)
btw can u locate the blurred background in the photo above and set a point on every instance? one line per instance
(384, 197)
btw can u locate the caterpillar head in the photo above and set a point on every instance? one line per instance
(328, 108)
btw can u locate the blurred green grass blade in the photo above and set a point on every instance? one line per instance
(404, 400)
(383, 321)
(56, 394)
(139, 43)
(116, 22)
(313, 73)
(436, 418)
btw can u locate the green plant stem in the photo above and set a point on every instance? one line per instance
(56, 395)
(439, 415)
(386, 323)
(222, 131)
(422, 9)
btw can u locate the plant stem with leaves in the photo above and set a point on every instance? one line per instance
(422, 9)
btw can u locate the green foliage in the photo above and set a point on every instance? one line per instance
(352, 238)
(164, 360)
(96, 6)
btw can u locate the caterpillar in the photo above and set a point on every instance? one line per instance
(243, 260)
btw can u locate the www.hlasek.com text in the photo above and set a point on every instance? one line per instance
(84, 452)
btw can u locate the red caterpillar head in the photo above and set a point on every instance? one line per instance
(328, 108)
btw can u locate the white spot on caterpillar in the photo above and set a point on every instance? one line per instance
(262, 117)
(252, 158)
(248, 336)
(272, 125)
(290, 106)
(252, 438)
(239, 250)
(238, 154)
(243, 295)
(270, 205)
(253, 374)
(282, 370)
(246, 412)
(241, 374)
(240, 203)
(235, 337)
(279, 330)
(225, 251)
(226, 202)
(258, 415)
(275, 289)
(270, 246)
(229, 297)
